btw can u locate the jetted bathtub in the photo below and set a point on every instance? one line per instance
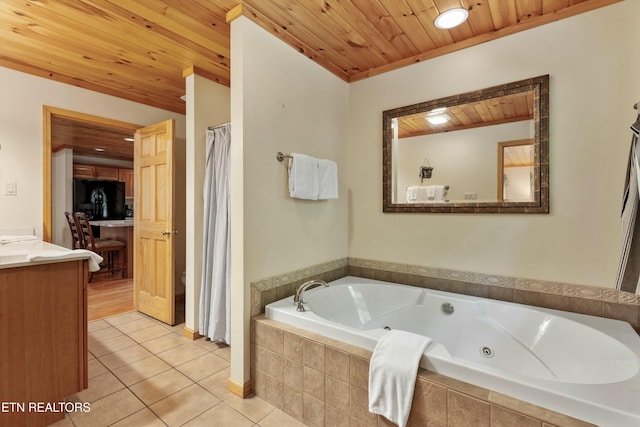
(583, 366)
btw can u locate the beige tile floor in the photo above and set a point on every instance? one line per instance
(145, 373)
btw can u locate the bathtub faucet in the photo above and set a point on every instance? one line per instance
(297, 299)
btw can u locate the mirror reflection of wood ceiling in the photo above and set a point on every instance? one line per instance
(506, 109)
(518, 156)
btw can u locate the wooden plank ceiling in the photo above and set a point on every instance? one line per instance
(91, 139)
(137, 50)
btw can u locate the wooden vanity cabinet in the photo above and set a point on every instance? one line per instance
(43, 338)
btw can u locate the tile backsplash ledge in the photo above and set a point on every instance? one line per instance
(603, 302)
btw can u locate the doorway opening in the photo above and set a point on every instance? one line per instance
(516, 171)
(83, 146)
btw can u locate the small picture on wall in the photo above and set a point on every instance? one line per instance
(425, 172)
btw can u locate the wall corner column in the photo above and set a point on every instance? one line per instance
(195, 150)
(239, 382)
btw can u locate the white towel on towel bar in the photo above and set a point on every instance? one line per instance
(303, 177)
(412, 193)
(431, 191)
(328, 179)
(438, 192)
(392, 374)
(425, 193)
(417, 194)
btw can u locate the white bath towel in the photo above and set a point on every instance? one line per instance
(431, 192)
(392, 374)
(12, 238)
(426, 193)
(303, 177)
(47, 255)
(412, 193)
(438, 192)
(418, 194)
(328, 179)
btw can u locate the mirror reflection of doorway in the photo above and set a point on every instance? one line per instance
(515, 171)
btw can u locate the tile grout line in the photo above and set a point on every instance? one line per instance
(172, 366)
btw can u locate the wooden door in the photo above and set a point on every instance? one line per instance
(154, 203)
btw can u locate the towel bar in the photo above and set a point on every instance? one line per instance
(280, 157)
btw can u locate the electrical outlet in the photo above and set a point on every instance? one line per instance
(471, 196)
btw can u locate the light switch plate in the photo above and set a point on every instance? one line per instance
(11, 189)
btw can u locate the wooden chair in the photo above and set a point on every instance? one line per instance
(78, 242)
(113, 251)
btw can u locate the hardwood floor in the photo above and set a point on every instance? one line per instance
(112, 297)
(109, 298)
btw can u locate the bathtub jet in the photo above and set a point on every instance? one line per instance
(583, 366)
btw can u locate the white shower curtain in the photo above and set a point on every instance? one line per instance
(215, 292)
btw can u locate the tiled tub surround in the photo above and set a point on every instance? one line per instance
(582, 366)
(277, 377)
(324, 382)
(594, 301)
(275, 288)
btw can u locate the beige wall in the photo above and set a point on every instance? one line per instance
(21, 140)
(62, 197)
(465, 160)
(208, 104)
(280, 101)
(593, 82)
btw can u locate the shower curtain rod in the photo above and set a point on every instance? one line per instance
(218, 126)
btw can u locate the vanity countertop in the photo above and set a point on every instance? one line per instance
(113, 223)
(33, 252)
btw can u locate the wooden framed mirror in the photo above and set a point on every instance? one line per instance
(456, 138)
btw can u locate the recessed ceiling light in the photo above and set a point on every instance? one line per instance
(99, 149)
(437, 111)
(451, 18)
(129, 139)
(438, 119)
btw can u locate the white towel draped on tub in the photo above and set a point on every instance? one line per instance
(392, 374)
(312, 179)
